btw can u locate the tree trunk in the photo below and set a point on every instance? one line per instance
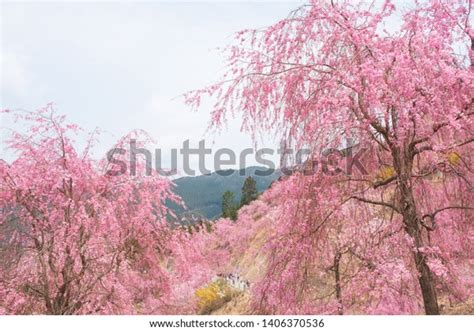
(414, 229)
(428, 291)
(337, 276)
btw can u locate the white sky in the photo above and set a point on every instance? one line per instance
(118, 66)
(122, 65)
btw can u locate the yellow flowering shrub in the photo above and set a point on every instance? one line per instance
(213, 295)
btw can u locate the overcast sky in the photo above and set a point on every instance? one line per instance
(120, 66)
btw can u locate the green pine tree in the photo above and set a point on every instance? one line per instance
(249, 191)
(229, 207)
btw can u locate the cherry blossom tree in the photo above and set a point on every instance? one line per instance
(335, 256)
(340, 74)
(74, 238)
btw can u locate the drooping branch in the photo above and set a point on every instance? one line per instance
(432, 216)
(378, 203)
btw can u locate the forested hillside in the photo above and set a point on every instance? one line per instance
(202, 195)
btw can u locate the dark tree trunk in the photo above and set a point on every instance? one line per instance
(427, 287)
(414, 229)
(337, 277)
(425, 278)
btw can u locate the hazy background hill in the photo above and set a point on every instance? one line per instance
(203, 194)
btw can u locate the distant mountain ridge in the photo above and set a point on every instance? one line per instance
(202, 195)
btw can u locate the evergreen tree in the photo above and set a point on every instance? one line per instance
(249, 191)
(229, 207)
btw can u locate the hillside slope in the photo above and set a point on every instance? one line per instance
(258, 220)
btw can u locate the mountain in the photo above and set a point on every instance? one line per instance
(202, 195)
